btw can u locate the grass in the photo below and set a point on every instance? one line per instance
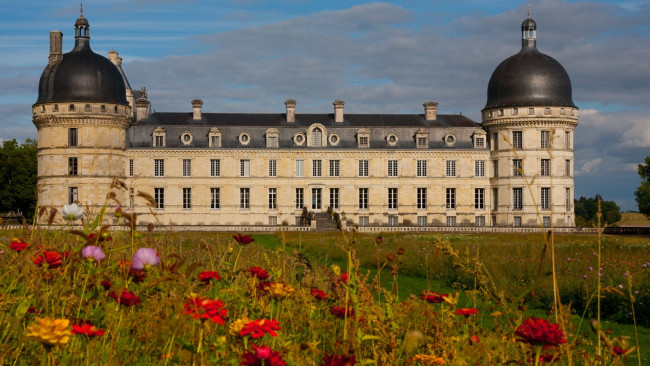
(633, 219)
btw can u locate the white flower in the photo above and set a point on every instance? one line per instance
(72, 212)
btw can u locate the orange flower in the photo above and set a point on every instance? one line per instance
(428, 360)
(201, 308)
(258, 328)
(466, 312)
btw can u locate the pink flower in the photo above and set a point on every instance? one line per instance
(144, 258)
(93, 252)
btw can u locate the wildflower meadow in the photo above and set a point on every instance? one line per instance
(87, 294)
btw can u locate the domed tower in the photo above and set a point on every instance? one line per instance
(530, 118)
(81, 116)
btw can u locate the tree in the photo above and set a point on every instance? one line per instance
(18, 176)
(643, 192)
(587, 208)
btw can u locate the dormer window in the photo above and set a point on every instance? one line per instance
(450, 140)
(214, 137)
(422, 139)
(531, 110)
(363, 138)
(547, 110)
(392, 139)
(56, 107)
(299, 139)
(479, 139)
(159, 137)
(186, 138)
(317, 136)
(87, 108)
(244, 138)
(102, 108)
(272, 136)
(501, 112)
(515, 111)
(334, 139)
(71, 107)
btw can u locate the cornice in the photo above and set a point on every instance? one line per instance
(311, 154)
(530, 122)
(58, 121)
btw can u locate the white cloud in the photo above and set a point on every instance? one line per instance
(589, 167)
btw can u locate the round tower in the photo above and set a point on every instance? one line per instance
(531, 118)
(81, 116)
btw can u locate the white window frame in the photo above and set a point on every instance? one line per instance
(393, 220)
(335, 168)
(273, 198)
(393, 203)
(421, 198)
(364, 221)
(73, 195)
(545, 198)
(300, 198)
(159, 197)
(363, 168)
(422, 221)
(215, 167)
(300, 168)
(334, 198)
(392, 168)
(317, 168)
(517, 167)
(450, 168)
(545, 168)
(215, 198)
(187, 167)
(479, 221)
(244, 168)
(450, 198)
(273, 168)
(421, 168)
(244, 198)
(187, 198)
(451, 220)
(479, 168)
(479, 198)
(363, 198)
(517, 140)
(159, 167)
(545, 139)
(517, 199)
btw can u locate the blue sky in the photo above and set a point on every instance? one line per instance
(390, 57)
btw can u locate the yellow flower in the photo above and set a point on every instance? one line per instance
(50, 331)
(336, 269)
(429, 360)
(280, 290)
(237, 325)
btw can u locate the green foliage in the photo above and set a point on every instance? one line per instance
(642, 193)
(18, 175)
(587, 208)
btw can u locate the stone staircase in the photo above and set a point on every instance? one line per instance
(324, 222)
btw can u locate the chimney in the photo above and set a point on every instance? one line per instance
(196, 109)
(114, 58)
(338, 110)
(142, 109)
(56, 39)
(430, 110)
(291, 110)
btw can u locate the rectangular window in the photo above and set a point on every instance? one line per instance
(545, 137)
(215, 141)
(273, 168)
(159, 168)
(545, 170)
(516, 168)
(363, 141)
(517, 197)
(334, 198)
(515, 111)
(451, 198)
(215, 198)
(517, 140)
(567, 140)
(546, 221)
(72, 137)
(363, 168)
(363, 220)
(450, 170)
(272, 141)
(334, 168)
(245, 168)
(215, 167)
(130, 167)
(72, 166)
(479, 168)
(393, 220)
(547, 110)
(363, 198)
(159, 141)
(73, 195)
(531, 110)
(495, 141)
(300, 168)
(567, 199)
(567, 168)
(517, 221)
(546, 198)
(273, 197)
(494, 220)
(316, 198)
(392, 198)
(244, 198)
(421, 168)
(300, 198)
(421, 198)
(422, 221)
(187, 167)
(479, 221)
(392, 168)
(480, 142)
(299, 221)
(479, 198)
(495, 198)
(495, 168)
(451, 220)
(159, 196)
(187, 198)
(316, 168)
(273, 220)
(422, 142)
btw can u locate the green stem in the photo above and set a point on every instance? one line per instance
(83, 292)
(234, 265)
(538, 351)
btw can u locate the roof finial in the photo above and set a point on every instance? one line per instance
(82, 10)
(528, 10)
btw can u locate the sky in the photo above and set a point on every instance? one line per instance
(380, 57)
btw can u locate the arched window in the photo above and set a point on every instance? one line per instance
(317, 137)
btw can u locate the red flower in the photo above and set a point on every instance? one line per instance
(52, 258)
(344, 277)
(619, 351)
(258, 328)
(106, 284)
(87, 329)
(207, 276)
(18, 245)
(547, 358)
(262, 354)
(126, 298)
(466, 312)
(264, 285)
(339, 312)
(538, 331)
(473, 339)
(201, 308)
(433, 297)
(338, 360)
(243, 239)
(259, 273)
(319, 294)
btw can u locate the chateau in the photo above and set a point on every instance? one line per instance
(264, 169)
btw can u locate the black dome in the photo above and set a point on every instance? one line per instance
(81, 75)
(529, 78)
